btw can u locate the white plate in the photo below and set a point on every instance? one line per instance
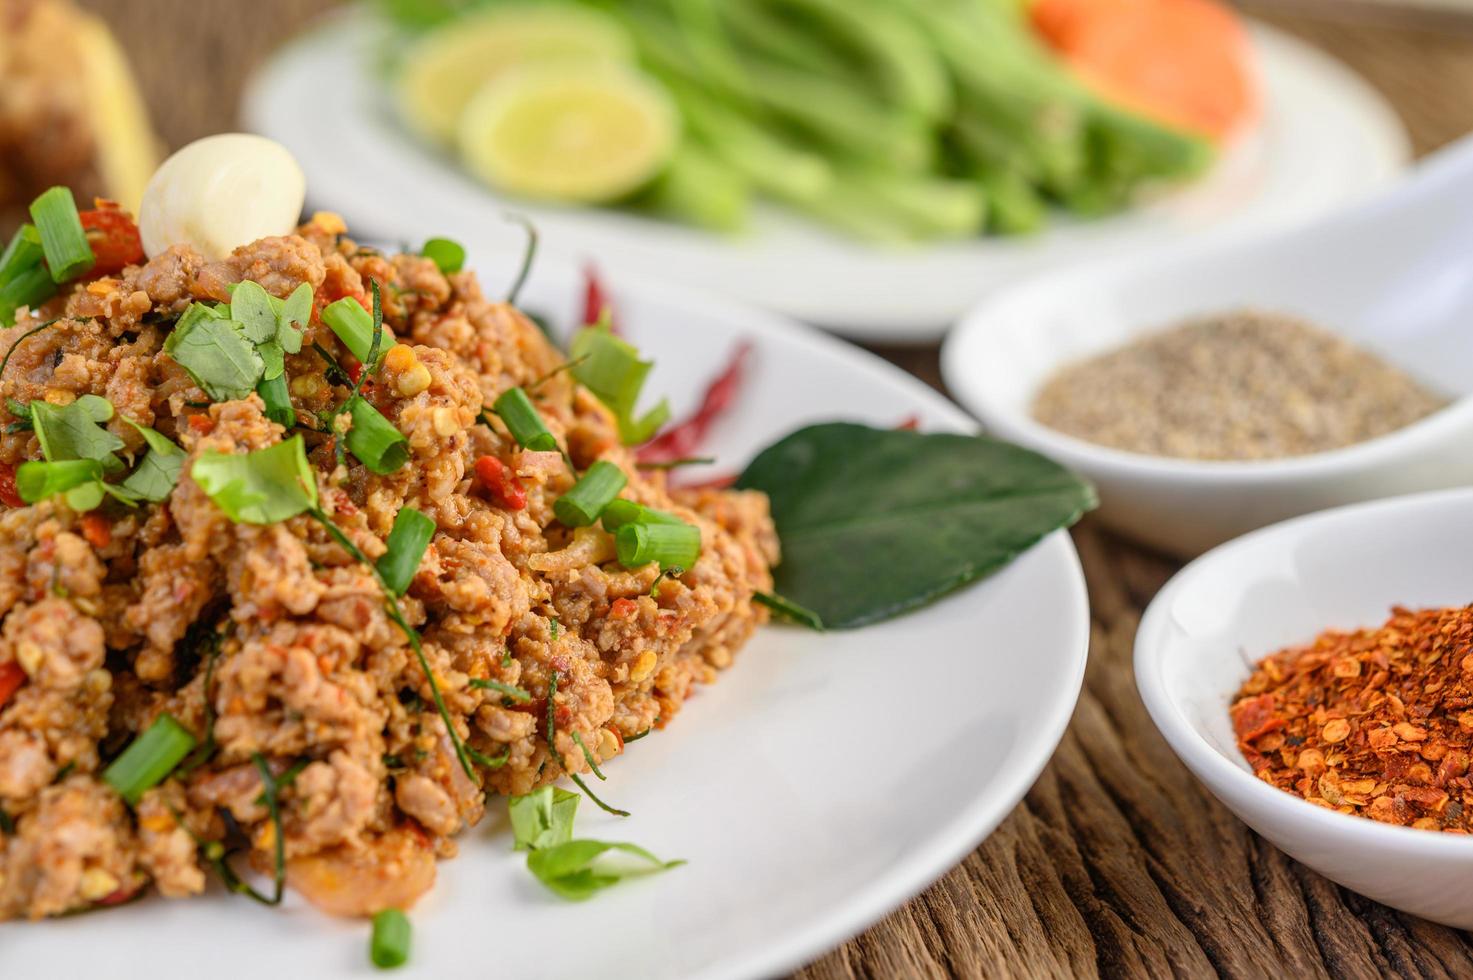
(1326, 138)
(821, 782)
(1283, 586)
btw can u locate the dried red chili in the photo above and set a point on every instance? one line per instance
(596, 300)
(684, 438)
(1377, 722)
(9, 495)
(11, 678)
(501, 483)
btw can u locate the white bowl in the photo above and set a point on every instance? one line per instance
(1393, 275)
(1283, 586)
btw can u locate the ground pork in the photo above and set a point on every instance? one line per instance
(273, 645)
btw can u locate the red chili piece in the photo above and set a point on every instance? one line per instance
(114, 238)
(11, 678)
(596, 299)
(684, 438)
(501, 483)
(9, 496)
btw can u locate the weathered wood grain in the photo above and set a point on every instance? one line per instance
(1117, 863)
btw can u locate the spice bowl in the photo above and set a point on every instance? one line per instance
(1390, 275)
(1280, 587)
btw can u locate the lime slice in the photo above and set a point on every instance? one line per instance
(442, 70)
(589, 135)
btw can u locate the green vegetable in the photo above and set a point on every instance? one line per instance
(158, 471)
(216, 353)
(149, 759)
(260, 487)
(522, 420)
(72, 431)
(36, 481)
(583, 504)
(621, 512)
(271, 796)
(389, 946)
(62, 237)
(373, 438)
(24, 279)
(404, 549)
(543, 818)
(573, 869)
(611, 369)
(668, 545)
(877, 522)
(353, 325)
(789, 610)
(510, 690)
(277, 399)
(251, 307)
(448, 255)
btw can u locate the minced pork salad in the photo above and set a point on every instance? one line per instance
(306, 552)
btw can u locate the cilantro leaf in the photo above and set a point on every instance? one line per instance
(68, 432)
(261, 487)
(35, 481)
(572, 869)
(543, 818)
(251, 307)
(216, 353)
(273, 360)
(157, 473)
(294, 316)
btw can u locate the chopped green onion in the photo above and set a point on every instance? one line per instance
(62, 237)
(29, 288)
(390, 945)
(510, 690)
(621, 512)
(353, 326)
(22, 254)
(611, 369)
(670, 545)
(149, 759)
(274, 393)
(526, 426)
(448, 255)
(373, 438)
(594, 491)
(406, 546)
(789, 609)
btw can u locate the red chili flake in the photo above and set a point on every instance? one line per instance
(118, 896)
(201, 423)
(98, 530)
(622, 608)
(910, 424)
(560, 664)
(352, 368)
(501, 483)
(1254, 717)
(684, 438)
(11, 678)
(9, 495)
(564, 716)
(596, 299)
(113, 236)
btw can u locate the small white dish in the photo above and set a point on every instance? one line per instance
(1326, 137)
(1394, 275)
(821, 782)
(1283, 586)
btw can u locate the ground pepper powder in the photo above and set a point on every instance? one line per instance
(1376, 723)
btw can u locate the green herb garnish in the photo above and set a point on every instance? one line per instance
(389, 946)
(594, 491)
(271, 789)
(448, 256)
(261, 487)
(523, 422)
(572, 870)
(149, 758)
(158, 471)
(611, 369)
(668, 545)
(789, 610)
(509, 690)
(542, 818)
(588, 756)
(216, 352)
(63, 240)
(528, 257)
(552, 747)
(405, 546)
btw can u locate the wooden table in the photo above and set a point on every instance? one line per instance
(1118, 862)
